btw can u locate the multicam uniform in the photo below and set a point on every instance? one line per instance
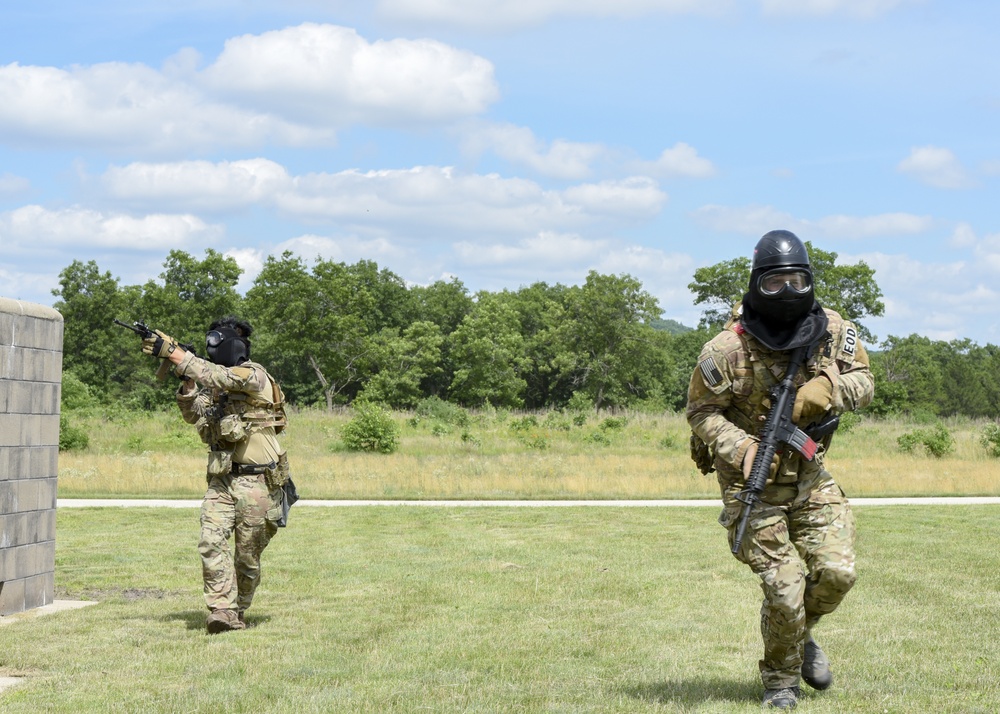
(236, 415)
(800, 539)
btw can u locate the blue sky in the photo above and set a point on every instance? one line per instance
(507, 142)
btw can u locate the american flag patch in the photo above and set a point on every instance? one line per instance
(710, 371)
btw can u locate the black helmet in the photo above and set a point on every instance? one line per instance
(227, 342)
(778, 249)
(780, 306)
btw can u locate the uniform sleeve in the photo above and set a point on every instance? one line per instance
(193, 404)
(230, 379)
(850, 372)
(709, 395)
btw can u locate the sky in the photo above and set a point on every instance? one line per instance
(508, 142)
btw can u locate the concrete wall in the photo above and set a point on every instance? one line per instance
(30, 374)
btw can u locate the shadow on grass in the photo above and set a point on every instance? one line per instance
(694, 691)
(195, 619)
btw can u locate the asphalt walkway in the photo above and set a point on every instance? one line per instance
(159, 503)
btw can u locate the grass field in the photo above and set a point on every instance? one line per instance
(500, 455)
(407, 609)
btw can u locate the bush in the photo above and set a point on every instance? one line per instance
(937, 441)
(614, 423)
(849, 420)
(71, 437)
(525, 423)
(439, 409)
(371, 429)
(990, 439)
(75, 394)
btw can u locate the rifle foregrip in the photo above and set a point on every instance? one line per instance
(164, 369)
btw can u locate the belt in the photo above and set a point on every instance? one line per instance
(241, 469)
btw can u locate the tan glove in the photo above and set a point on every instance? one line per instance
(159, 345)
(813, 399)
(748, 463)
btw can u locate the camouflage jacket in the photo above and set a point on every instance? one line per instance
(728, 397)
(234, 410)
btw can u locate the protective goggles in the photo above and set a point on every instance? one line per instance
(214, 338)
(775, 281)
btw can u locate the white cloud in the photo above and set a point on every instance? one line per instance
(681, 160)
(12, 185)
(122, 107)
(757, 220)
(942, 301)
(198, 185)
(936, 166)
(38, 228)
(346, 249)
(291, 87)
(417, 201)
(963, 236)
(328, 74)
(547, 248)
(519, 145)
(863, 9)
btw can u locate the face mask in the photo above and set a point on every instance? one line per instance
(225, 347)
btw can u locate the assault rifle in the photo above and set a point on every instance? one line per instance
(780, 430)
(142, 329)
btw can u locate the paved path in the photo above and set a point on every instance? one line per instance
(950, 500)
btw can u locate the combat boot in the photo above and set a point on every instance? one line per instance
(223, 621)
(815, 666)
(785, 698)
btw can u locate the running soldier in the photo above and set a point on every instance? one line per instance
(800, 538)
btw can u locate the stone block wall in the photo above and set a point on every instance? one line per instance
(30, 375)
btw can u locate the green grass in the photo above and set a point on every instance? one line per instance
(415, 609)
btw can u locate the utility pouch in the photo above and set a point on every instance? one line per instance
(232, 429)
(278, 476)
(220, 463)
(702, 455)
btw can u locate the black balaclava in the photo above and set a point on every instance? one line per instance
(227, 342)
(789, 318)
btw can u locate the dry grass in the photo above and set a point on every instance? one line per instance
(646, 458)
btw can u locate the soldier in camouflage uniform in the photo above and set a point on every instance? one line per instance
(238, 412)
(800, 538)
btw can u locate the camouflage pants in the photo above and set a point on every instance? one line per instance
(803, 552)
(242, 508)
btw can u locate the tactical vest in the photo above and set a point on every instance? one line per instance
(758, 370)
(234, 416)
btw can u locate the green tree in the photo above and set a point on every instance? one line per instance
(445, 304)
(607, 338)
(909, 370)
(193, 294)
(402, 363)
(541, 309)
(105, 357)
(312, 327)
(851, 289)
(488, 351)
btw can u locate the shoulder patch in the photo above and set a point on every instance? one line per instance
(243, 373)
(710, 371)
(850, 343)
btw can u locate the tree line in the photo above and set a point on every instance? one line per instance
(334, 333)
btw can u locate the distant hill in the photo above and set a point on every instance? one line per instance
(671, 326)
